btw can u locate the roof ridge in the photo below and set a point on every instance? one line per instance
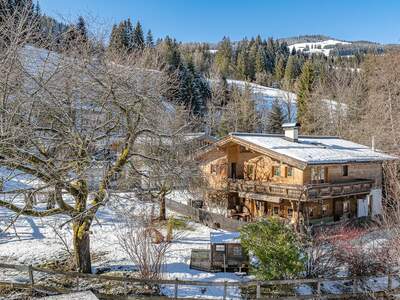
(282, 135)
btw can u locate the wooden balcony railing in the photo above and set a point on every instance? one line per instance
(334, 190)
(306, 192)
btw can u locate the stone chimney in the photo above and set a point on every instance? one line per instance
(291, 131)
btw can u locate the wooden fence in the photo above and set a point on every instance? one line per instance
(205, 217)
(357, 288)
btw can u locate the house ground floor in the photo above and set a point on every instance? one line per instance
(249, 207)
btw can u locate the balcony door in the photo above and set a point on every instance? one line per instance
(233, 171)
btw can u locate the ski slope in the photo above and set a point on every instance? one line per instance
(317, 47)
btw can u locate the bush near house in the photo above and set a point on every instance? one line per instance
(276, 249)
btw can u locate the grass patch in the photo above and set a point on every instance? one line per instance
(181, 223)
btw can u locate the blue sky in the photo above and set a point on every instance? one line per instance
(210, 20)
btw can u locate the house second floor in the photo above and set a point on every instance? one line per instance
(289, 165)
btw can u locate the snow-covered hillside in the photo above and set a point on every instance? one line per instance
(265, 96)
(323, 47)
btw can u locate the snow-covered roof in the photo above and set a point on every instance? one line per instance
(314, 150)
(222, 237)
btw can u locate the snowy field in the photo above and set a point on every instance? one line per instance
(37, 243)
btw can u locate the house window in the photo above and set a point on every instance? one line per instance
(311, 212)
(318, 174)
(277, 171)
(220, 248)
(346, 206)
(290, 212)
(237, 251)
(289, 171)
(345, 170)
(276, 210)
(324, 209)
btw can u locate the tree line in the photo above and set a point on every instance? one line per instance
(189, 68)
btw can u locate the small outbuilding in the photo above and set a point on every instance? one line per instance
(225, 254)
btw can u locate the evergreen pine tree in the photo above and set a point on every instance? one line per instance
(251, 64)
(128, 34)
(241, 65)
(260, 61)
(275, 118)
(289, 73)
(223, 92)
(149, 40)
(138, 37)
(305, 86)
(270, 53)
(171, 54)
(116, 43)
(279, 69)
(81, 30)
(223, 58)
(121, 37)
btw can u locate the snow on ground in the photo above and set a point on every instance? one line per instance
(265, 96)
(317, 47)
(15, 180)
(37, 243)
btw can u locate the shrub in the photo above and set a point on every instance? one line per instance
(275, 247)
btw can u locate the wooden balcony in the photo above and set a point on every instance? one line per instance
(339, 189)
(306, 192)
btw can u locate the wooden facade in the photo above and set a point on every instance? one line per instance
(258, 183)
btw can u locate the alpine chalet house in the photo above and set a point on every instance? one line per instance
(310, 179)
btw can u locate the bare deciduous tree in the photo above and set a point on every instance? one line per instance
(173, 169)
(58, 111)
(144, 246)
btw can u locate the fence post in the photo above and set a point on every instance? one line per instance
(176, 289)
(389, 281)
(258, 291)
(224, 263)
(126, 285)
(225, 289)
(319, 289)
(30, 272)
(355, 285)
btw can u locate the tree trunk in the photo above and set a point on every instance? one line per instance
(162, 207)
(81, 241)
